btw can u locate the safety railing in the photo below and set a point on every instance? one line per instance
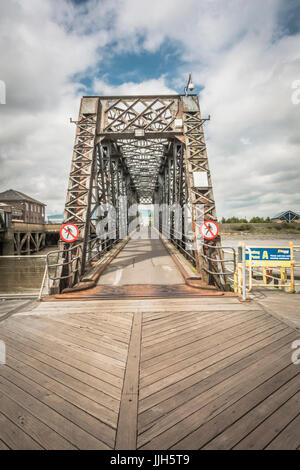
(296, 264)
(68, 264)
(225, 268)
(222, 269)
(180, 241)
(71, 261)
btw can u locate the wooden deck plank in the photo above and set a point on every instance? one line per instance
(88, 342)
(64, 355)
(236, 334)
(158, 327)
(43, 392)
(154, 326)
(217, 376)
(177, 331)
(218, 337)
(204, 359)
(186, 419)
(207, 343)
(243, 417)
(100, 354)
(126, 438)
(93, 333)
(81, 376)
(269, 435)
(49, 416)
(55, 376)
(73, 373)
(113, 375)
(14, 437)
(180, 376)
(100, 325)
(185, 373)
(289, 438)
(196, 335)
(36, 429)
(3, 446)
(179, 393)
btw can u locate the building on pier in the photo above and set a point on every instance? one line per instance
(24, 208)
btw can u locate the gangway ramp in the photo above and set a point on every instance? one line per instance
(143, 268)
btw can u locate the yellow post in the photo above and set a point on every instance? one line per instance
(239, 279)
(283, 277)
(239, 269)
(236, 276)
(264, 276)
(292, 281)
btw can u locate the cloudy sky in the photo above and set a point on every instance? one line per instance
(245, 59)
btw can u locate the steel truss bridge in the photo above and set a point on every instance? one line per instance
(151, 150)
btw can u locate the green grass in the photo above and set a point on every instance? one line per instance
(265, 228)
(245, 228)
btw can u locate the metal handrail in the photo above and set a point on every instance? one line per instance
(176, 241)
(43, 283)
(229, 272)
(220, 260)
(75, 258)
(55, 265)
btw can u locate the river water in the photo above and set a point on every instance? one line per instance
(22, 275)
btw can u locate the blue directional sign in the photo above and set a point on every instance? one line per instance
(269, 256)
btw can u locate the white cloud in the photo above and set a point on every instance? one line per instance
(252, 102)
(147, 87)
(38, 60)
(239, 53)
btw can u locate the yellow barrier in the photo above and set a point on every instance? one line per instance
(259, 263)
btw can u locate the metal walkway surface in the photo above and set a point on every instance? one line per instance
(142, 261)
(143, 268)
(209, 373)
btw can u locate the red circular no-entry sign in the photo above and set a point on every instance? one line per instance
(69, 233)
(209, 229)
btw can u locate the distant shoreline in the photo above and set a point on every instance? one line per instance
(261, 235)
(260, 230)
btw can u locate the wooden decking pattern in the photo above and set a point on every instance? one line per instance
(62, 384)
(209, 378)
(194, 373)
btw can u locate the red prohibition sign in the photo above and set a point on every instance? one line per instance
(209, 229)
(69, 233)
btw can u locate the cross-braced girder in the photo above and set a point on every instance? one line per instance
(143, 159)
(141, 149)
(128, 114)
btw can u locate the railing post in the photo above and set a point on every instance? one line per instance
(236, 274)
(264, 275)
(242, 263)
(292, 281)
(283, 277)
(43, 281)
(244, 295)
